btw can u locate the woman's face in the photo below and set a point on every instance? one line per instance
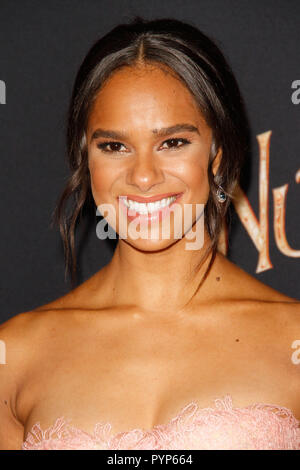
(146, 137)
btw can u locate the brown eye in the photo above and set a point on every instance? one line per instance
(111, 147)
(174, 143)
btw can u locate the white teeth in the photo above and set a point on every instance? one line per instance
(146, 208)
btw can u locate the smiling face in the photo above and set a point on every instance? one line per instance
(146, 137)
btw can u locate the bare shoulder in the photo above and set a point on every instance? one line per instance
(14, 352)
(242, 285)
(26, 332)
(93, 293)
(24, 343)
(36, 326)
(22, 336)
(283, 318)
(19, 329)
(264, 309)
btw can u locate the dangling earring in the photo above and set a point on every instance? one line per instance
(221, 194)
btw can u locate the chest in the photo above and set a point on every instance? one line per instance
(141, 382)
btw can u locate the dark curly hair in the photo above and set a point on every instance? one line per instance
(198, 62)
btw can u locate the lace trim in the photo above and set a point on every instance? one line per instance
(256, 426)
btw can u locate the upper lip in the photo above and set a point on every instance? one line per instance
(149, 198)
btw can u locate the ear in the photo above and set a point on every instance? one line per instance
(217, 161)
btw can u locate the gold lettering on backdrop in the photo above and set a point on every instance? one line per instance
(258, 230)
(279, 195)
(2, 92)
(2, 352)
(223, 239)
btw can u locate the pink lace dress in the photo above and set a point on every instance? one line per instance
(257, 427)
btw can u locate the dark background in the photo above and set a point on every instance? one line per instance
(42, 45)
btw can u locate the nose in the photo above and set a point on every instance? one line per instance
(145, 172)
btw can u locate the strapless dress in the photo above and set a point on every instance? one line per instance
(257, 427)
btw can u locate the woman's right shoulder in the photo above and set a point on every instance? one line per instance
(17, 327)
(21, 332)
(18, 347)
(24, 323)
(23, 341)
(35, 326)
(17, 334)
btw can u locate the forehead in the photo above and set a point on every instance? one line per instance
(144, 96)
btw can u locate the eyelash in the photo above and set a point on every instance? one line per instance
(103, 146)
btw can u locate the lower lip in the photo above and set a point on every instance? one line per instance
(159, 215)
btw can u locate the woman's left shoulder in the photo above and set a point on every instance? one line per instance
(263, 301)
(244, 286)
(286, 316)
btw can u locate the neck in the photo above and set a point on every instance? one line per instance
(157, 281)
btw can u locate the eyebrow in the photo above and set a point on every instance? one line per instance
(164, 131)
(173, 129)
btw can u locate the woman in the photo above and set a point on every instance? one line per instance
(168, 346)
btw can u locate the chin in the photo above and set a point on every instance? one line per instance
(151, 245)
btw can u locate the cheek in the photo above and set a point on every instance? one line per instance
(100, 181)
(194, 174)
(199, 175)
(199, 181)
